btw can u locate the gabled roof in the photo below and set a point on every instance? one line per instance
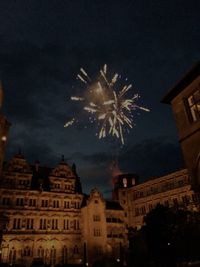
(188, 78)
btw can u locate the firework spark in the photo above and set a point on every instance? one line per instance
(108, 104)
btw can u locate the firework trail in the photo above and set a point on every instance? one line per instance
(107, 104)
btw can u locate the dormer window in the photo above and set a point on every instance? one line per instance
(193, 106)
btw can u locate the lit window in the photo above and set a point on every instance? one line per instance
(3, 138)
(193, 102)
(124, 182)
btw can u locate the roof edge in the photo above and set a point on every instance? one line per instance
(186, 79)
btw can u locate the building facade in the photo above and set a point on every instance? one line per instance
(49, 218)
(184, 98)
(172, 190)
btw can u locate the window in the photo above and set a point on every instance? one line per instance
(12, 255)
(40, 252)
(57, 186)
(44, 203)
(32, 202)
(52, 256)
(76, 251)
(56, 203)
(193, 104)
(5, 201)
(19, 202)
(97, 232)
(29, 223)
(64, 255)
(66, 204)
(96, 218)
(43, 224)
(143, 210)
(124, 182)
(76, 224)
(54, 224)
(17, 223)
(66, 224)
(27, 251)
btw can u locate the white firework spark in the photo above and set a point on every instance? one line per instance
(108, 105)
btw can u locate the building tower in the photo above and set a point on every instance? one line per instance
(4, 129)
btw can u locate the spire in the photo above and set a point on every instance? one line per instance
(1, 94)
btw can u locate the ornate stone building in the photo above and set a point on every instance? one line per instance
(51, 219)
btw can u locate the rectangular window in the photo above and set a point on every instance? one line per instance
(193, 106)
(29, 223)
(66, 204)
(43, 224)
(76, 224)
(19, 202)
(5, 201)
(44, 203)
(97, 232)
(56, 203)
(96, 218)
(66, 224)
(54, 224)
(32, 202)
(17, 223)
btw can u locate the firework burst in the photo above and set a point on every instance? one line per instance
(107, 104)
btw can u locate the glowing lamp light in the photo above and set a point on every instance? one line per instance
(3, 138)
(118, 260)
(87, 264)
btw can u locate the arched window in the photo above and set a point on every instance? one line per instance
(53, 256)
(64, 255)
(12, 255)
(27, 251)
(76, 251)
(40, 252)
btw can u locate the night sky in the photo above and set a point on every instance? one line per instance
(44, 43)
